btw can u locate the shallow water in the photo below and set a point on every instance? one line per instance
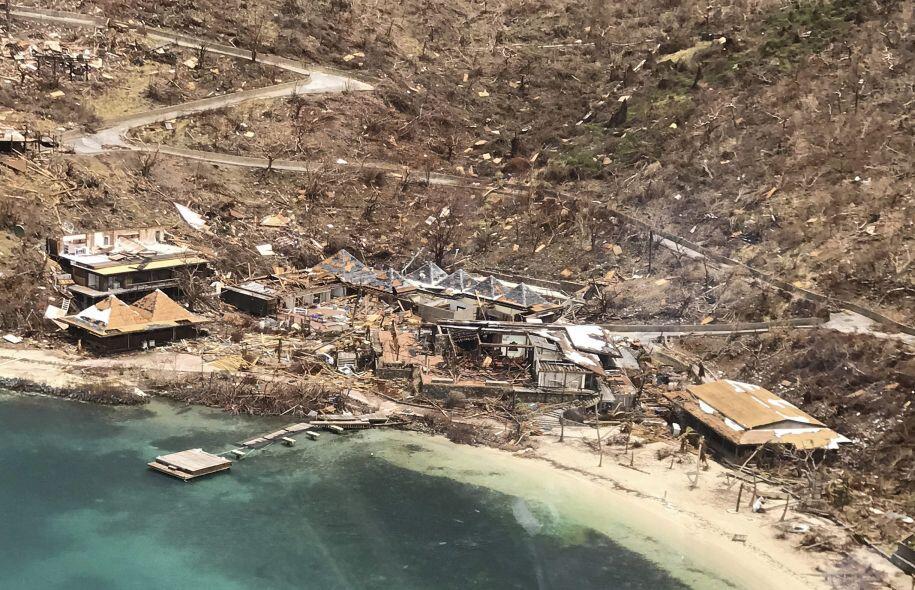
(81, 511)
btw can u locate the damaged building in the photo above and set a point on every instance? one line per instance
(436, 295)
(400, 354)
(112, 325)
(428, 291)
(127, 263)
(531, 362)
(283, 293)
(737, 418)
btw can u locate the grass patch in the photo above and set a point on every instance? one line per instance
(807, 27)
(575, 164)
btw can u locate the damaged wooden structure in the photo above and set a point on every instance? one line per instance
(194, 463)
(531, 362)
(737, 418)
(282, 294)
(115, 326)
(471, 296)
(399, 354)
(127, 263)
(428, 291)
(190, 464)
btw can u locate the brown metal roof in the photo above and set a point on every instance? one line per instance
(746, 414)
(749, 405)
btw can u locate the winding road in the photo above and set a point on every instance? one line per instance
(112, 136)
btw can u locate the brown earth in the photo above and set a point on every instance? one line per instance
(136, 75)
(779, 133)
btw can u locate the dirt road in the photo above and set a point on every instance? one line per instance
(112, 136)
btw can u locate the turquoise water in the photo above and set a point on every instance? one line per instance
(81, 511)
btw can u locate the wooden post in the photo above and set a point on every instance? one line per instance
(562, 425)
(739, 494)
(701, 451)
(785, 511)
(699, 460)
(600, 448)
(650, 248)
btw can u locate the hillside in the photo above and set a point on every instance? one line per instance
(779, 134)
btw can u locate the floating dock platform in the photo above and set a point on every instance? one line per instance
(190, 464)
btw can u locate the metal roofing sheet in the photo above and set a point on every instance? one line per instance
(592, 338)
(428, 274)
(152, 265)
(458, 281)
(489, 288)
(786, 433)
(750, 406)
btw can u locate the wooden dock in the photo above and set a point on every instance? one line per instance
(194, 463)
(190, 464)
(332, 422)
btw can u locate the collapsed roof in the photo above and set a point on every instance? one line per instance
(524, 296)
(342, 264)
(430, 277)
(490, 288)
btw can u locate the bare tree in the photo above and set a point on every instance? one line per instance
(297, 102)
(255, 28)
(193, 286)
(201, 54)
(146, 162)
(441, 236)
(371, 204)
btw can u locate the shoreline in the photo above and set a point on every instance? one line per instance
(689, 519)
(653, 492)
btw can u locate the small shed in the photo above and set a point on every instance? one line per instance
(904, 557)
(253, 297)
(739, 417)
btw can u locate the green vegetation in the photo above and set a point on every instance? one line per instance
(786, 36)
(576, 164)
(807, 27)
